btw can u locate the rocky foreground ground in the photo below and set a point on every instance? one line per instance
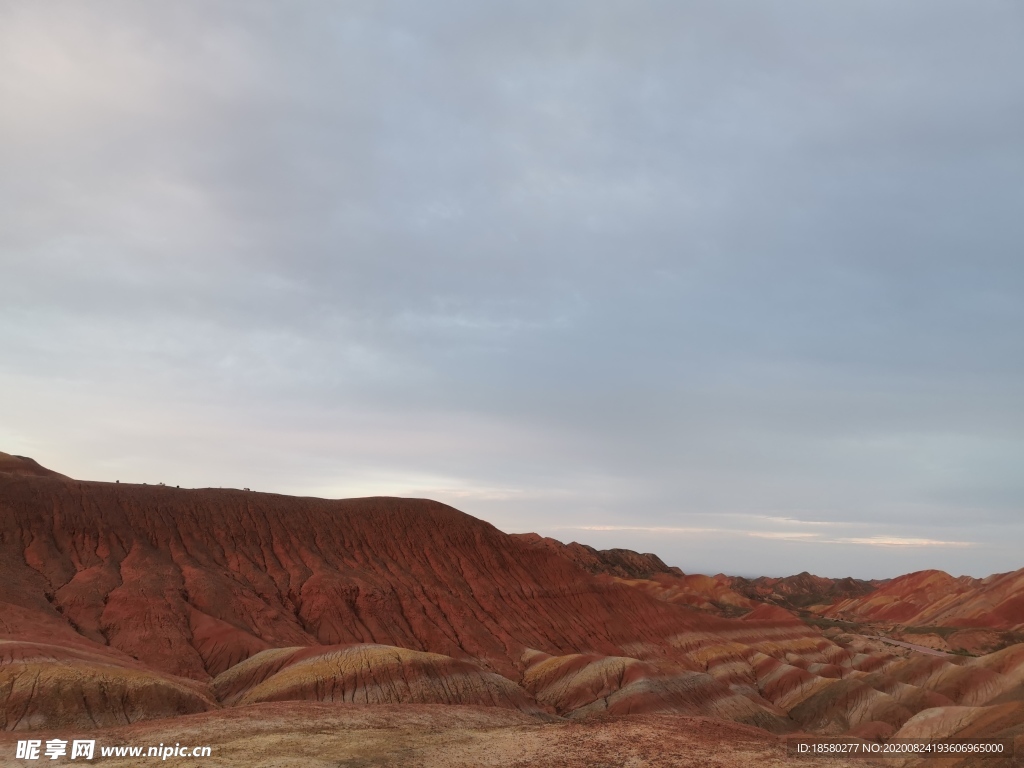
(310, 735)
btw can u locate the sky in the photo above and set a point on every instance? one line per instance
(738, 283)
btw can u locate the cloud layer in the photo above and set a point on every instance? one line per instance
(592, 267)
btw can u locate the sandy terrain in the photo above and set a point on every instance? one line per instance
(311, 735)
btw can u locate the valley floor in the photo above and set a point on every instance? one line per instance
(313, 735)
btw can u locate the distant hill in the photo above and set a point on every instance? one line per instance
(624, 563)
(803, 590)
(934, 598)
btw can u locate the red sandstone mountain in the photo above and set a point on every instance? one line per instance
(24, 466)
(934, 598)
(183, 585)
(192, 582)
(648, 573)
(803, 590)
(120, 603)
(624, 563)
(720, 594)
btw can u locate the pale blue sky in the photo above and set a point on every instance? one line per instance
(740, 283)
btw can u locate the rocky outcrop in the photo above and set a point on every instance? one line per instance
(580, 685)
(44, 686)
(367, 674)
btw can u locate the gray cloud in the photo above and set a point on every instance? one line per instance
(561, 264)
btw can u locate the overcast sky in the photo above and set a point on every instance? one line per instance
(740, 283)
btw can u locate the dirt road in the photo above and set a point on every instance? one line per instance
(913, 647)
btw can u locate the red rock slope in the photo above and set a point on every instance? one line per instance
(647, 572)
(191, 582)
(934, 598)
(624, 563)
(367, 674)
(24, 467)
(51, 686)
